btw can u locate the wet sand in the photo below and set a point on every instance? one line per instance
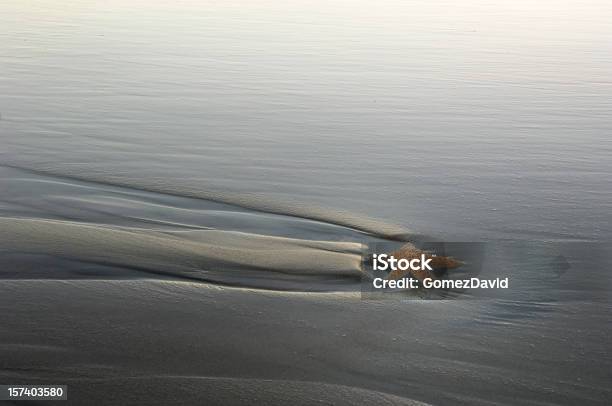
(133, 297)
(187, 190)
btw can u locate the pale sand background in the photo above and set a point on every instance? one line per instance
(186, 188)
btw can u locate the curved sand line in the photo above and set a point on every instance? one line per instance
(243, 200)
(225, 257)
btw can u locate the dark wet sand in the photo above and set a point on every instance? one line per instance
(132, 297)
(147, 342)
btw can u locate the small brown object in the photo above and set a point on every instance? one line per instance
(409, 252)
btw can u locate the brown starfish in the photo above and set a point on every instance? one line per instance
(409, 251)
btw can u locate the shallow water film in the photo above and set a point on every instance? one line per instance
(191, 195)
